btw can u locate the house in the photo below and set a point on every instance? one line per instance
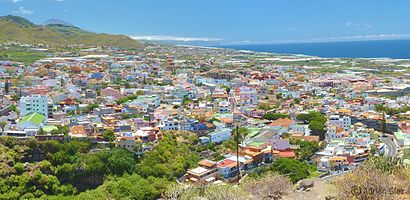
(334, 132)
(110, 92)
(31, 121)
(78, 132)
(227, 168)
(342, 122)
(219, 93)
(247, 94)
(220, 135)
(334, 163)
(206, 172)
(128, 142)
(282, 125)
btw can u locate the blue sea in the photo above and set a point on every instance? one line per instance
(398, 49)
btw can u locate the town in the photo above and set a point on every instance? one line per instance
(244, 111)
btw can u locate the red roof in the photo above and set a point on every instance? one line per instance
(287, 154)
(225, 163)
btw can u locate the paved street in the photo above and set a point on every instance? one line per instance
(391, 146)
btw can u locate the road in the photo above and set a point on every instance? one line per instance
(391, 149)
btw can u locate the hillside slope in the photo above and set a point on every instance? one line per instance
(18, 29)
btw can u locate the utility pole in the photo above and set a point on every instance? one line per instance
(237, 152)
(6, 86)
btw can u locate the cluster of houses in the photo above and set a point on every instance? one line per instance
(141, 95)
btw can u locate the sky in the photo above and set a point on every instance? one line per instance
(227, 21)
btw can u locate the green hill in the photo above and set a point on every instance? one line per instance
(18, 29)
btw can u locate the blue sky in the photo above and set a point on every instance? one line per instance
(227, 21)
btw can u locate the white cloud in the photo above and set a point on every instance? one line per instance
(348, 38)
(15, 1)
(359, 25)
(172, 38)
(23, 11)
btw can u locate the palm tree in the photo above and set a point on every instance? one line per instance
(2, 125)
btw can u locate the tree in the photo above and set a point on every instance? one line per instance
(55, 132)
(13, 107)
(383, 128)
(306, 149)
(61, 81)
(15, 97)
(121, 161)
(138, 147)
(296, 101)
(41, 132)
(303, 117)
(227, 89)
(108, 135)
(265, 106)
(2, 125)
(296, 170)
(6, 86)
(278, 95)
(275, 116)
(128, 187)
(169, 159)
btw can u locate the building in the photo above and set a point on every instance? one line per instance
(282, 125)
(34, 104)
(206, 172)
(341, 122)
(31, 121)
(220, 135)
(227, 168)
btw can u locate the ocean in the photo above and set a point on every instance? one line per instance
(398, 49)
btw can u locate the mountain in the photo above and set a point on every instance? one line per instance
(19, 29)
(56, 21)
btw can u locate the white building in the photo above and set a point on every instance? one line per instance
(247, 94)
(220, 135)
(224, 107)
(32, 104)
(333, 133)
(169, 124)
(341, 122)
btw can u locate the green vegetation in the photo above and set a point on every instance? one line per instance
(54, 170)
(269, 186)
(296, 170)
(377, 178)
(108, 135)
(275, 116)
(316, 122)
(64, 130)
(129, 97)
(89, 108)
(265, 106)
(227, 89)
(35, 118)
(230, 144)
(307, 149)
(18, 29)
(170, 159)
(391, 111)
(126, 187)
(21, 55)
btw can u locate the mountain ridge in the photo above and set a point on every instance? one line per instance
(19, 29)
(57, 21)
